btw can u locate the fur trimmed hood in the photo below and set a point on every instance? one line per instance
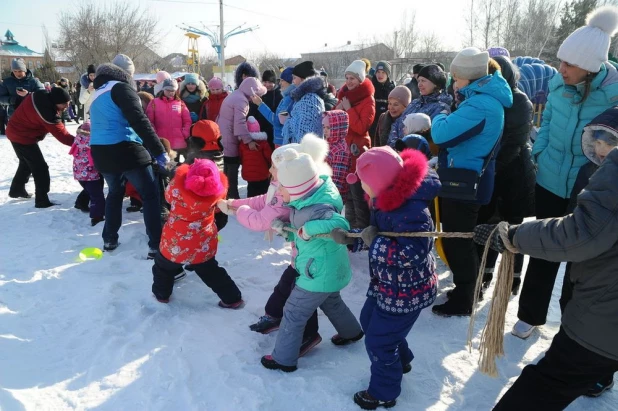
(84, 80)
(248, 70)
(111, 72)
(202, 90)
(314, 85)
(414, 181)
(259, 136)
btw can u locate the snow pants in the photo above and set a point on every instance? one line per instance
(567, 371)
(385, 340)
(94, 197)
(213, 275)
(299, 307)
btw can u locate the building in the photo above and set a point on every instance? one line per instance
(10, 49)
(230, 68)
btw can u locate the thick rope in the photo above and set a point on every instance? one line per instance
(492, 335)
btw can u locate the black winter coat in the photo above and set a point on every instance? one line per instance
(382, 90)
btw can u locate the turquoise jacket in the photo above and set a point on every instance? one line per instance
(323, 265)
(558, 146)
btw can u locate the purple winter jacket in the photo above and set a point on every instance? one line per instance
(232, 120)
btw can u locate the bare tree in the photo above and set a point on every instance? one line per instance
(431, 46)
(94, 33)
(471, 25)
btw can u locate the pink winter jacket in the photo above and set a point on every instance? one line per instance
(171, 120)
(232, 120)
(255, 214)
(83, 166)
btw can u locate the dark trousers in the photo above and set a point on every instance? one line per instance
(146, 184)
(213, 275)
(31, 161)
(540, 275)
(257, 188)
(388, 350)
(82, 200)
(567, 288)
(95, 197)
(356, 207)
(230, 169)
(461, 254)
(567, 371)
(279, 296)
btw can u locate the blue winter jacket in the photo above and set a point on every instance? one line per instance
(403, 277)
(432, 105)
(8, 89)
(557, 149)
(467, 136)
(286, 104)
(306, 115)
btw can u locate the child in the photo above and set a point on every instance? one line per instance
(403, 278)
(398, 100)
(190, 235)
(335, 126)
(257, 214)
(212, 106)
(205, 142)
(88, 177)
(420, 123)
(323, 265)
(255, 163)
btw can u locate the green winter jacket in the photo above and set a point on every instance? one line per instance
(558, 147)
(323, 265)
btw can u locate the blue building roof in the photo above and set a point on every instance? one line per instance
(11, 48)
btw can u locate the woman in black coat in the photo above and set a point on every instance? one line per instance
(383, 86)
(513, 197)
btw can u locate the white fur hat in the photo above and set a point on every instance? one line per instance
(470, 64)
(297, 173)
(416, 122)
(357, 68)
(587, 47)
(311, 144)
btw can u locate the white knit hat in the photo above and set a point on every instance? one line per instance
(416, 122)
(297, 173)
(587, 47)
(470, 64)
(357, 69)
(310, 144)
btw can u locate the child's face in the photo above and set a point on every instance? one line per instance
(273, 171)
(368, 190)
(216, 90)
(395, 108)
(602, 149)
(284, 194)
(326, 129)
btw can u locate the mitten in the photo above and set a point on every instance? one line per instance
(302, 234)
(224, 207)
(279, 226)
(162, 159)
(369, 234)
(498, 238)
(340, 236)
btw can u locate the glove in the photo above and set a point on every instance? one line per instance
(303, 235)
(194, 117)
(225, 207)
(162, 159)
(339, 235)
(279, 226)
(369, 234)
(498, 239)
(433, 162)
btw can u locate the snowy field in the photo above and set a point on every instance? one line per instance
(89, 335)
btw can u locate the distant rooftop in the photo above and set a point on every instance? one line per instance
(10, 47)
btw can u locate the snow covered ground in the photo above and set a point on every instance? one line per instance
(89, 335)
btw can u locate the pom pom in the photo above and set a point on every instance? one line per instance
(203, 179)
(604, 18)
(289, 155)
(352, 178)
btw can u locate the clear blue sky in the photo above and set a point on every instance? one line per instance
(300, 27)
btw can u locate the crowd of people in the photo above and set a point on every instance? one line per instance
(370, 158)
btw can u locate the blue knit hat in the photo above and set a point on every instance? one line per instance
(192, 78)
(287, 74)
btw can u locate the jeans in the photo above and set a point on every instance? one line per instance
(31, 161)
(146, 184)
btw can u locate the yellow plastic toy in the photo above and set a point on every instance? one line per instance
(90, 253)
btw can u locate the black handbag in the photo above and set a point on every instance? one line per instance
(461, 183)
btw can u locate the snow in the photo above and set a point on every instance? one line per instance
(89, 335)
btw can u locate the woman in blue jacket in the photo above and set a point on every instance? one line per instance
(586, 87)
(467, 138)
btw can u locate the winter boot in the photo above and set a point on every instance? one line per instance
(600, 387)
(81, 207)
(456, 306)
(20, 194)
(266, 324)
(339, 340)
(180, 275)
(234, 306)
(95, 221)
(309, 343)
(162, 300)
(488, 275)
(407, 368)
(271, 364)
(152, 252)
(522, 329)
(44, 204)
(364, 400)
(134, 208)
(110, 246)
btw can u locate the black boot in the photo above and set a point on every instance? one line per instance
(20, 194)
(339, 340)
(44, 203)
(364, 400)
(459, 304)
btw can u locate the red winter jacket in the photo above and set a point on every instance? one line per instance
(34, 118)
(361, 116)
(212, 106)
(190, 233)
(256, 164)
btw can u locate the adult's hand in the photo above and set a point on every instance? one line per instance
(253, 146)
(256, 99)
(345, 103)
(21, 93)
(91, 87)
